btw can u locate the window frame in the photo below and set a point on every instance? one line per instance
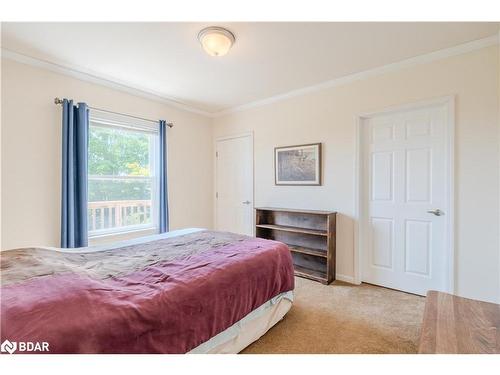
(103, 119)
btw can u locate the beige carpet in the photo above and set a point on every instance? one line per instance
(344, 318)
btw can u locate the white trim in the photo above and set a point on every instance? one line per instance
(107, 119)
(498, 83)
(130, 229)
(100, 79)
(232, 136)
(413, 61)
(345, 278)
(450, 143)
(225, 138)
(357, 201)
(449, 101)
(410, 106)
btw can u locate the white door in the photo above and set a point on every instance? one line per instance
(234, 185)
(405, 169)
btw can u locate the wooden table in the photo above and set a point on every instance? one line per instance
(459, 325)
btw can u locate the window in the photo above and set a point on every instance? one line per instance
(122, 181)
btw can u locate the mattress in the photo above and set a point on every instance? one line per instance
(185, 291)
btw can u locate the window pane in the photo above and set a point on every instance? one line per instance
(119, 203)
(118, 189)
(119, 152)
(121, 178)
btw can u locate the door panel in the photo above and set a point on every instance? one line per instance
(383, 132)
(405, 167)
(418, 175)
(234, 185)
(418, 247)
(382, 172)
(382, 242)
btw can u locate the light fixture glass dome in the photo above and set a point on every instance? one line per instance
(216, 41)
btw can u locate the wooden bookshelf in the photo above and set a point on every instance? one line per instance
(310, 236)
(292, 229)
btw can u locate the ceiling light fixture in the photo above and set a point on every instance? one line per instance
(216, 41)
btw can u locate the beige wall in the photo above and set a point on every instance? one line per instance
(31, 153)
(328, 116)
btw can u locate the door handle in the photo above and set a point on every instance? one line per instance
(436, 212)
(247, 202)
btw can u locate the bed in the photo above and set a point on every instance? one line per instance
(186, 291)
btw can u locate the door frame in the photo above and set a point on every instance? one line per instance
(360, 231)
(225, 138)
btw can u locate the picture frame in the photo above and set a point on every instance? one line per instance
(298, 165)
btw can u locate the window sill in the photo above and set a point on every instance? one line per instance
(120, 236)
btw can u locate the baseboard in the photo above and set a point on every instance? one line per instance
(345, 278)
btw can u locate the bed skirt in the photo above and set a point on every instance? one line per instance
(249, 329)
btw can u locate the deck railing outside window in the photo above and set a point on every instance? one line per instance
(107, 215)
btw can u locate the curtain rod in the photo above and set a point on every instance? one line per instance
(169, 124)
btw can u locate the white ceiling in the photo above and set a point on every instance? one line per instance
(267, 59)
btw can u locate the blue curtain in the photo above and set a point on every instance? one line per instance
(75, 130)
(163, 196)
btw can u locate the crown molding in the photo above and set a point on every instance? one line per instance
(414, 61)
(149, 94)
(101, 80)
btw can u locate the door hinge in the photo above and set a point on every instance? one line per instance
(216, 195)
(216, 154)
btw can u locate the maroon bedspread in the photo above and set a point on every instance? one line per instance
(165, 296)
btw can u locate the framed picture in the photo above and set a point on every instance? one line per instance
(298, 165)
